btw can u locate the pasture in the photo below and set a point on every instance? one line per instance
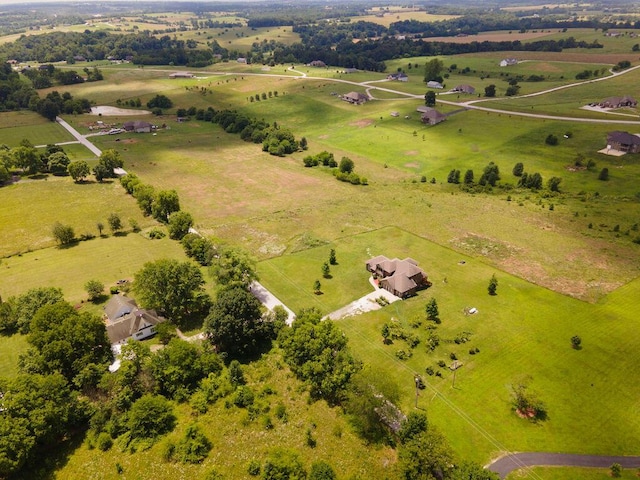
(566, 473)
(59, 199)
(106, 259)
(16, 126)
(522, 333)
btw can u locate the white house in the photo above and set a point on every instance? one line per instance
(434, 84)
(125, 320)
(508, 61)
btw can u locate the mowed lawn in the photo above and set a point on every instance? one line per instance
(11, 348)
(523, 334)
(18, 126)
(105, 259)
(32, 207)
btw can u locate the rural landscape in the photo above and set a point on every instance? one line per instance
(319, 240)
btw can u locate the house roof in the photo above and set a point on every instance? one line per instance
(117, 306)
(619, 100)
(127, 325)
(464, 88)
(624, 138)
(400, 283)
(136, 124)
(434, 84)
(433, 114)
(355, 96)
(401, 273)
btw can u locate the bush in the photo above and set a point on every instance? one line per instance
(156, 234)
(104, 441)
(254, 468)
(551, 140)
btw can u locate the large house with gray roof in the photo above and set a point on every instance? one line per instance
(124, 320)
(403, 278)
(623, 141)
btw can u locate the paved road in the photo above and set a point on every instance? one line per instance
(80, 138)
(505, 465)
(270, 301)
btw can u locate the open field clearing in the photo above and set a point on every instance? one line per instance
(106, 259)
(568, 101)
(31, 207)
(11, 348)
(248, 439)
(523, 331)
(493, 37)
(237, 192)
(579, 55)
(16, 126)
(241, 38)
(392, 16)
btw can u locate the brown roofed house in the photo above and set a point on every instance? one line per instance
(432, 117)
(623, 141)
(464, 89)
(400, 277)
(125, 320)
(137, 126)
(355, 98)
(618, 102)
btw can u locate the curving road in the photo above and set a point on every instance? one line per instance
(505, 465)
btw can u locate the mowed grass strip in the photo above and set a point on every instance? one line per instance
(571, 473)
(105, 259)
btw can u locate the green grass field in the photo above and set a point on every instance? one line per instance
(16, 126)
(59, 199)
(522, 332)
(11, 348)
(247, 439)
(562, 473)
(105, 259)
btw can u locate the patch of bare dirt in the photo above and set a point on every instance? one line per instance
(412, 165)
(412, 152)
(365, 122)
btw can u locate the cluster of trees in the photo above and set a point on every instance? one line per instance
(343, 171)
(143, 48)
(534, 181)
(47, 75)
(161, 204)
(275, 140)
(54, 104)
(27, 158)
(263, 96)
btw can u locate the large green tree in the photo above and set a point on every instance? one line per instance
(66, 341)
(179, 224)
(235, 325)
(432, 70)
(316, 350)
(425, 456)
(79, 170)
(172, 287)
(24, 307)
(150, 416)
(233, 267)
(164, 204)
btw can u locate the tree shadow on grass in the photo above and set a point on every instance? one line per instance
(48, 461)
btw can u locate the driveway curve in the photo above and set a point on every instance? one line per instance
(505, 465)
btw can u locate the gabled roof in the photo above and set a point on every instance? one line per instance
(117, 306)
(624, 138)
(355, 96)
(129, 324)
(400, 283)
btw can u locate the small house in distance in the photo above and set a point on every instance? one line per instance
(623, 142)
(399, 77)
(508, 62)
(137, 126)
(317, 64)
(181, 75)
(402, 278)
(125, 320)
(434, 84)
(464, 89)
(355, 98)
(431, 116)
(618, 102)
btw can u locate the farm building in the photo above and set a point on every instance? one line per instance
(355, 98)
(434, 84)
(400, 77)
(508, 62)
(400, 277)
(431, 116)
(181, 75)
(618, 102)
(317, 64)
(464, 89)
(137, 126)
(623, 141)
(125, 320)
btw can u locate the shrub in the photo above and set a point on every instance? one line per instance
(253, 468)
(104, 441)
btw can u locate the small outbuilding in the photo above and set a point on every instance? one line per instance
(434, 84)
